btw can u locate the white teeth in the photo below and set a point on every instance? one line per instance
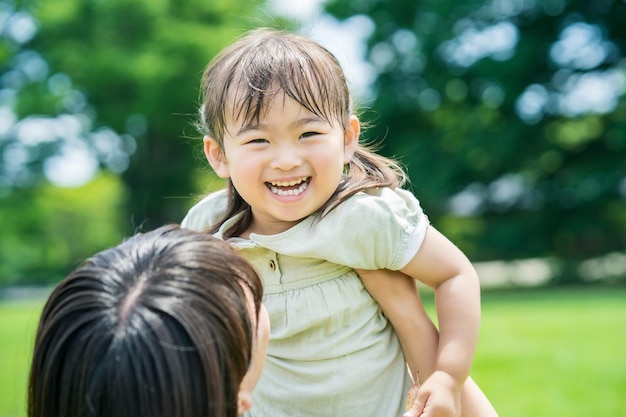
(288, 183)
(297, 191)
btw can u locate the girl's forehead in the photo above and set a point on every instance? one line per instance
(245, 108)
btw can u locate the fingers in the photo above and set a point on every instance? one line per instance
(425, 403)
(415, 410)
(414, 402)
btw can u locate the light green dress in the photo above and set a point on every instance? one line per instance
(332, 353)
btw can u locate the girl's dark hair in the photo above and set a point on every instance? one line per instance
(157, 326)
(240, 82)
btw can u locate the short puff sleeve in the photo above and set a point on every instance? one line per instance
(207, 212)
(382, 228)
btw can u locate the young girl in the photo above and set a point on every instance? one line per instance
(168, 323)
(309, 206)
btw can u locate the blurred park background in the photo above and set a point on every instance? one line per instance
(509, 115)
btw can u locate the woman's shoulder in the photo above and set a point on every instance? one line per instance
(207, 211)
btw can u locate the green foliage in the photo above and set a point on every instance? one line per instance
(128, 73)
(544, 181)
(139, 64)
(500, 184)
(543, 353)
(47, 230)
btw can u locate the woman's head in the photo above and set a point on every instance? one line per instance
(163, 324)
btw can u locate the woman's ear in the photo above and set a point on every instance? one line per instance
(244, 401)
(351, 141)
(215, 155)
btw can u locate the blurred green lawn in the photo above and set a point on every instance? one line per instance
(18, 321)
(542, 353)
(554, 352)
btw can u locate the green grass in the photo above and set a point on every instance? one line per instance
(542, 353)
(554, 352)
(18, 321)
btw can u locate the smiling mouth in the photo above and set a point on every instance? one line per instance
(289, 188)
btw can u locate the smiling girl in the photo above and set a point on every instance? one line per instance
(309, 206)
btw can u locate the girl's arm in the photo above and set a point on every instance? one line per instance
(441, 265)
(397, 296)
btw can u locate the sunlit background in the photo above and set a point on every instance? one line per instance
(509, 116)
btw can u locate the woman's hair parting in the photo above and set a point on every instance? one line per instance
(157, 326)
(241, 81)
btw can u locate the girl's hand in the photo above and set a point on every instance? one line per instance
(438, 396)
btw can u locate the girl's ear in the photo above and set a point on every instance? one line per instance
(215, 156)
(244, 401)
(353, 131)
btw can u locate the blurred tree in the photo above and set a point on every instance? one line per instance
(108, 85)
(511, 117)
(139, 64)
(510, 114)
(47, 230)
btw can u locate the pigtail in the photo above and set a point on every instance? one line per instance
(366, 170)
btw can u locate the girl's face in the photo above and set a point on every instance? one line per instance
(286, 166)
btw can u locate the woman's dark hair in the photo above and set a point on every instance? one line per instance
(157, 326)
(241, 82)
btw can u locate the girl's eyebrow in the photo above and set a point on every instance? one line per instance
(296, 123)
(248, 127)
(306, 120)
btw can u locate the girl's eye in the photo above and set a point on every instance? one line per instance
(257, 141)
(308, 134)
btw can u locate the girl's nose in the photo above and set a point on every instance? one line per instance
(286, 158)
